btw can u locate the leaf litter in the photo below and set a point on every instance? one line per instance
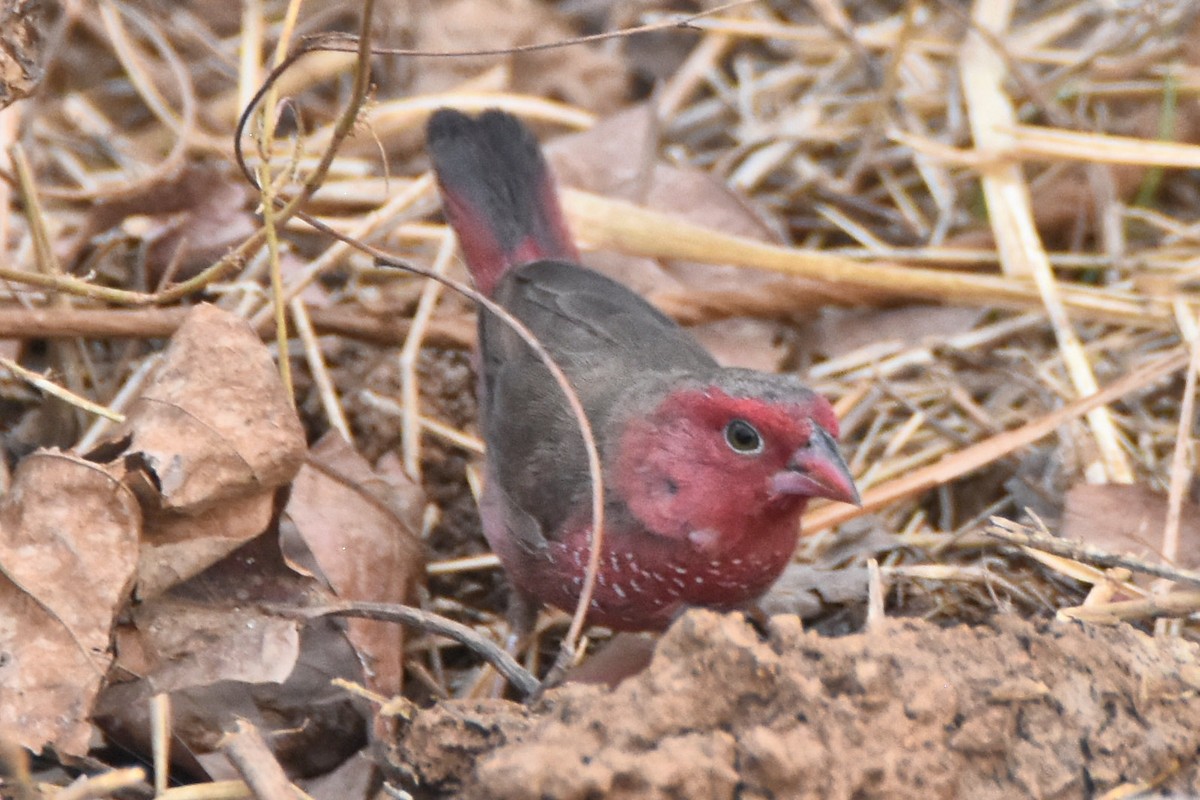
(1004, 234)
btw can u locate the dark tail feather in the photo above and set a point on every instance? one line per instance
(497, 193)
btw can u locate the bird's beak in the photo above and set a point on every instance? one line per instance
(818, 470)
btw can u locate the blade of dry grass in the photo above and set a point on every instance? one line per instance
(1010, 212)
(613, 224)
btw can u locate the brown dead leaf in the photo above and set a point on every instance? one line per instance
(68, 550)
(172, 640)
(355, 779)
(179, 224)
(1123, 518)
(220, 659)
(209, 441)
(176, 547)
(214, 422)
(839, 331)
(744, 342)
(358, 529)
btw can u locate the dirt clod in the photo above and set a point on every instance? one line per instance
(1014, 708)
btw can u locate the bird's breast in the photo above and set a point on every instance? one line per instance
(644, 580)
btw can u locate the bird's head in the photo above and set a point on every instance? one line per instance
(714, 458)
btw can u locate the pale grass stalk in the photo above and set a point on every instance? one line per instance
(250, 74)
(689, 76)
(129, 390)
(465, 564)
(388, 119)
(410, 387)
(52, 388)
(326, 390)
(1040, 143)
(103, 785)
(1183, 454)
(160, 740)
(603, 222)
(990, 112)
(266, 183)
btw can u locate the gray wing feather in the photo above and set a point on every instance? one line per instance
(612, 345)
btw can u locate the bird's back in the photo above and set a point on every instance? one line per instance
(613, 346)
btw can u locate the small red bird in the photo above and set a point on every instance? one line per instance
(706, 469)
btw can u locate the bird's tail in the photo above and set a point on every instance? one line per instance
(497, 193)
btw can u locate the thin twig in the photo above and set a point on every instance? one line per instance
(428, 622)
(52, 388)
(1018, 534)
(320, 373)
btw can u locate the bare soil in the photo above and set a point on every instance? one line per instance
(905, 710)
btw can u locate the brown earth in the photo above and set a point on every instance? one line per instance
(908, 709)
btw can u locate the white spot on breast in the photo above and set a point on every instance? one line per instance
(699, 581)
(681, 570)
(704, 538)
(601, 579)
(677, 582)
(737, 562)
(714, 564)
(616, 587)
(634, 585)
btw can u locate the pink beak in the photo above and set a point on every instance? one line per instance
(818, 470)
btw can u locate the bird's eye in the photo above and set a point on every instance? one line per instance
(743, 438)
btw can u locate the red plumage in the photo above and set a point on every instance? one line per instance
(706, 469)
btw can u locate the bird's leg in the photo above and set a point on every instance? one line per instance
(759, 620)
(522, 620)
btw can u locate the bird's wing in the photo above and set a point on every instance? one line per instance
(613, 346)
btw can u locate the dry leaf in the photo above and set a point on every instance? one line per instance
(358, 529)
(208, 442)
(182, 644)
(68, 549)
(355, 779)
(181, 223)
(838, 331)
(1123, 518)
(214, 422)
(176, 547)
(220, 659)
(744, 342)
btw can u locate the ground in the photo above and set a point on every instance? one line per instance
(906, 709)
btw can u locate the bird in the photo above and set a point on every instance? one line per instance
(706, 469)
